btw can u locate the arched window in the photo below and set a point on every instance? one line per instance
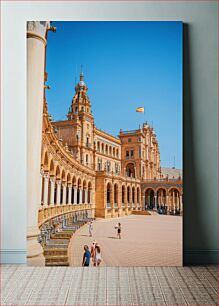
(117, 153)
(130, 170)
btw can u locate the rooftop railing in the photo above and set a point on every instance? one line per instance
(129, 132)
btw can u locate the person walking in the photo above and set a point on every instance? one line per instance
(93, 252)
(98, 256)
(90, 227)
(119, 228)
(86, 257)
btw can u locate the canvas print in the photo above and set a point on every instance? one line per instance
(104, 132)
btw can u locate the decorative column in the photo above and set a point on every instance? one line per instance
(86, 196)
(69, 194)
(174, 205)
(75, 194)
(36, 42)
(155, 202)
(45, 189)
(80, 195)
(64, 194)
(52, 191)
(58, 194)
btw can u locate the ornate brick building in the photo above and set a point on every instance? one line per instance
(82, 170)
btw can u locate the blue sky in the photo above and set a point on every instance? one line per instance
(126, 65)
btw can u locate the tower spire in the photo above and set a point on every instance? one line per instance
(81, 73)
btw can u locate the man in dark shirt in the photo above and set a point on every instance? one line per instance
(86, 257)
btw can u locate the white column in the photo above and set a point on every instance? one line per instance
(80, 195)
(45, 190)
(52, 191)
(75, 194)
(155, 202)
(36, 42)
(69, 194)
(58, 193)
(64, 194)
(86, 196)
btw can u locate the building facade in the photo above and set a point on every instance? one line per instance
(83, 170)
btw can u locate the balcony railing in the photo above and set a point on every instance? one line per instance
(108, 205)
(129, 132)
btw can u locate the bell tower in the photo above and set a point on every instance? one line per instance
(80, 102)
(83, 124)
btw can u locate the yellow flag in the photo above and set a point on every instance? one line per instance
(140, 110)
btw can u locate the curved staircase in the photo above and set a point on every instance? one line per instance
(56, 249)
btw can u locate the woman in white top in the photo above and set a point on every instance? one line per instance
(98, 255)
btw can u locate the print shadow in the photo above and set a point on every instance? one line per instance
(193, 231)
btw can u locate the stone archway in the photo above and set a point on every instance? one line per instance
(130, 170)
(149, 198)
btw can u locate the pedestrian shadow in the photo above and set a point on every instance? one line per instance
(112, 237)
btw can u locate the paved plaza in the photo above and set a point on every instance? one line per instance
(154, 240)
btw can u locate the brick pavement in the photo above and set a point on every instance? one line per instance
(154, 240)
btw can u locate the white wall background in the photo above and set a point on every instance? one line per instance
(201, 17)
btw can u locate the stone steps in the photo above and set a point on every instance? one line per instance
(58, 241)
(56, 258)
(57, 264)
(56, 250)
(61, 235)
(56, 246)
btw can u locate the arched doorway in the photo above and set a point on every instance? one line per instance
(174, 202)
(149, 199)
(130, 170)
(161, 198)
(108, 195)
